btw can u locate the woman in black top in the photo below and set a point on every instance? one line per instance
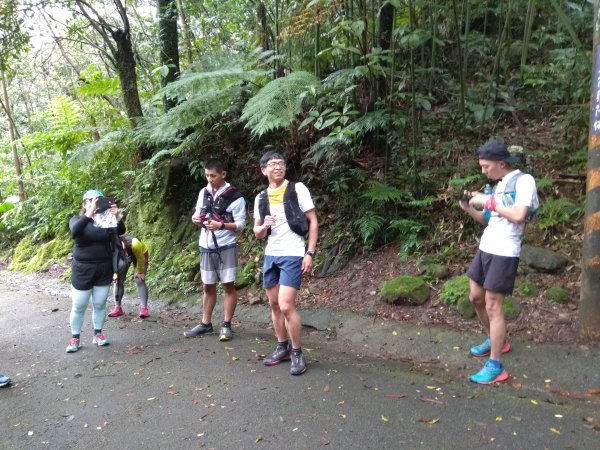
(92, 270)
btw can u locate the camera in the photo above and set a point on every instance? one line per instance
(466, 197)
(104, 203)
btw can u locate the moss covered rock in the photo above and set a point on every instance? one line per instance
(527, 290)
(465, 308)
(437, 271)
(455, 292)
(511, 308)
(30, 256)
(406, 289)
(558, 295)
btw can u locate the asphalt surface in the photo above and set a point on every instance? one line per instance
(370, 384)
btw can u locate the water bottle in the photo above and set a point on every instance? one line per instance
(487, 190)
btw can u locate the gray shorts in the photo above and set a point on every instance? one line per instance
(218, 266)
(494, 273)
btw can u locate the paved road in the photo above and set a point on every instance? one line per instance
(153, 388)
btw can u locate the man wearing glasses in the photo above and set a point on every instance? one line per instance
(285, 213)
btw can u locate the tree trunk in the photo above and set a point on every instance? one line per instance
(13, 138)
(589, 314)
(169, 45)
(186, 33)
(121, 55)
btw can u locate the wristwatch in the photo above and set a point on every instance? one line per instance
(311, 253)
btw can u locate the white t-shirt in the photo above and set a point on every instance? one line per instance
(502, 237)
(282, 240)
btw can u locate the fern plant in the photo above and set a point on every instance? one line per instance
(278, 103)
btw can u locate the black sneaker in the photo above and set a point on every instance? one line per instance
(198, 330)
(281, 353)
(298, 366)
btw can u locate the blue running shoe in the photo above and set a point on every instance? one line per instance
(489, 374)
(484, 349)
(4, 381)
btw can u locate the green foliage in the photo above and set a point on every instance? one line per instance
(511, 308)
(557, 211)
(381, 192)
(455, 290)
(279, 102)
(557, 295)
(527, 290)
(13, 37)
(410, 232)
(368, 225)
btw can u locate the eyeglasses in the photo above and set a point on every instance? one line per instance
(273, 164)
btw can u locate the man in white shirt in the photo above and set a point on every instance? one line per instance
(285, 213)
(493, 271)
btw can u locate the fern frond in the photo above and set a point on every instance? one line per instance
(368, 225)
(378, 120)
(64, 114)
(120, 140)
(379, 192)
(278, 103)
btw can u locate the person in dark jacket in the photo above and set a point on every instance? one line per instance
(94, 233)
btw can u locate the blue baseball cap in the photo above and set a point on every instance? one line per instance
(91, 194)
(495, 150)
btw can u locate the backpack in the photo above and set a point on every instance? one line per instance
(296, 218)
(508, 198)
(218, 208)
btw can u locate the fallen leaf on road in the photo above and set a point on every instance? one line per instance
(385, 419)
(341, 403)
(431, 387)
(151, 398)
(554, 430)
(180, 350)
(324, 441)
(394, 333)
(431, 421)
(326, 388)
(517, 418)
(235, 358)
(431, 400)
(395, 395)
(498, 419)
(343, 416)
(130, 394)
(535, 402)
(258, 439)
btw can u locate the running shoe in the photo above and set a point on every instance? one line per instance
(100, 340)
(198, 330)
(489, 374)
(281, 353)
(73, 345)
(144, 312)
(116, 312)
(4, 381)
(298, 366)
(226, 334)
(485, 348)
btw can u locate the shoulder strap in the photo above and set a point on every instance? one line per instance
(263, 204)
(511, 185)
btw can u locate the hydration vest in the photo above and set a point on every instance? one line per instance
(296, 218)
(508, 198)
(217, 209)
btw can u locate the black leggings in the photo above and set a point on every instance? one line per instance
(120, 288)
